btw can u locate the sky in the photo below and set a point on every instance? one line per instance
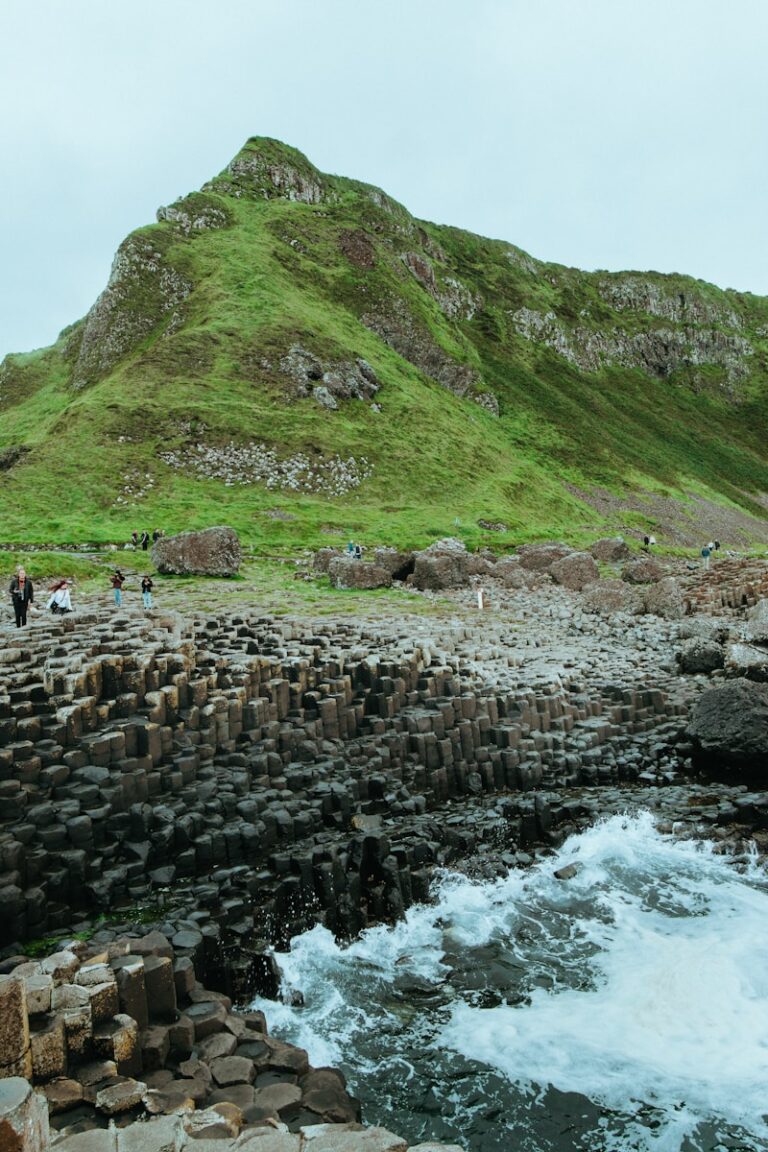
(617, 134)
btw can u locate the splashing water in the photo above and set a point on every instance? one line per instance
(625, 1008)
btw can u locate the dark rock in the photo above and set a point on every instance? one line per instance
(729, 727)
(347, 572)
(700, 656)
(541, 557)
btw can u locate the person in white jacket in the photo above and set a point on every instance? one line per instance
(60, 599)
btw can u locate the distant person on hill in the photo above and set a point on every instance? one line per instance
(706, 552)
(358, 552)
(117, 584)
(351, 548)
(145, 540)
(156, 535)
(146, 591)
(60, 599)
(22, 595)
(135, 539)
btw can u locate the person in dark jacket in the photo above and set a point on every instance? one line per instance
(146, 591)
(22, 595)
(145, 540)
(117, 585)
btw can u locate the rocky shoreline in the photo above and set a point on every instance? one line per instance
(236, 778)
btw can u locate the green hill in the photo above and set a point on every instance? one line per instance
(294, 354)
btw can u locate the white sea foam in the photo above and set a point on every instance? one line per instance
(655, 957)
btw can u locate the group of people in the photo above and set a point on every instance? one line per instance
(142, 541)
(118, 580)
(23, 595)
(354, 550)
(60, 596)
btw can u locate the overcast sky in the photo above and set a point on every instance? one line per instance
(597, 133)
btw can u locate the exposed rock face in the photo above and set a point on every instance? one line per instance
(196, 213)
(644, 570)
(453, 298)
(699, 655)
(143, 291)
(658, 351)
(255, 173)
(401, 331)
(575, 571)
(611, 549)
(628, 293)
(541, 557)
(328, 383)
(212, 552)
(729, 727)
(347, 572)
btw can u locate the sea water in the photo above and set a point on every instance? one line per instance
(623, 1008)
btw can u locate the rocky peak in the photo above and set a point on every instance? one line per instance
(266, 169)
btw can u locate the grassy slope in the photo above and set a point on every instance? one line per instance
(278, 276)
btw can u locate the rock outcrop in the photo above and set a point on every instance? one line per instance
(210, 552)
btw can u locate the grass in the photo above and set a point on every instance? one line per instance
(276, 275)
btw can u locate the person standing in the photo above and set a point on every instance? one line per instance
(146, 591)
(706, 552)
(135, 538)
(145, 540)
(117, 584)
(156, 535)
(22, 595)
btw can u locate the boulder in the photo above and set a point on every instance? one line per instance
(698, 655)
(610, 549)
(575, 571)
(747, 660)
(756, 628)
(643, 570)
(443, 565)
(664, 599)
(23, 1117)
(541, 557)
(398, 564)
(607, 597)
(729, 726)
(322, 558)
(704, 628)
(211, 552)
(346, 572)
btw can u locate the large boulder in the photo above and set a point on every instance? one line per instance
(575, 571)
(398, 564)
(211, 552)
(664, 599)
(347, 572)
(445, 564)
(747, 660)
(322, 558)
(610, 549)
(541, 557)
(643, 570)
(607, 597)
(756, 628)
(700, 655)
(729, 727)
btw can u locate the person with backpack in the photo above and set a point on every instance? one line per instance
(60, 599)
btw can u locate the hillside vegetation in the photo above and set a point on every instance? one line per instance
(293, 354)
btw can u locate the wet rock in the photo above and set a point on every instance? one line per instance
(729, 727)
